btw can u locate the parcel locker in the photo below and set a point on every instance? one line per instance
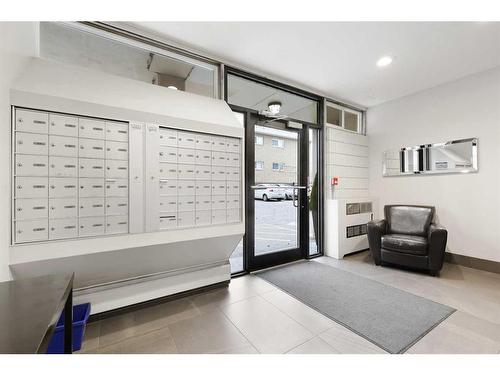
(203, 157)
(233, 188)
(63, 187)
(168, 171)
(116, 131)
(32, 121)
(203, 202)
(117, 206)
(93, 168)
(116, 224)
(91, 207)
(63, 207)
(186, 203)
(186, 171)
(186, 219)
(63, 146)
(168, 187)
(219, 158)
(31, 230)
(186, 139)
(168, 221)
(233, 145)
(116, 187)
(233, 173)
(232, 201)
(31, 208)
(186, 156)
(168, 204)
(233, 160)
(233, 215)
(218, 173)
(168, 154)
(31, 187)
(116, 150)
(91, 226)
(154, 171)
(218, 187)
(116, 169)
(91, 187)
(90, 128)
(168, 137)
(219, 217)
(218, 202)
(219, 144)
(203, 142)
(63, 125)
(91, 148)
(31, 143)
(31, 165)
(203, 172)
(186, 187)
(63, 228)
(60, 166)
(203, 217)
(203, 187)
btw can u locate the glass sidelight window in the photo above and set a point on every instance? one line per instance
(313, 192)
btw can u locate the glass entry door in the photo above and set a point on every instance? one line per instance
(277, 199)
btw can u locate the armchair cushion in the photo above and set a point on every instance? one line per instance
(412, 220)
(403, 243)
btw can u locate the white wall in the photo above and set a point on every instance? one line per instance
(346, 157)
(18, 41)
(467, 205)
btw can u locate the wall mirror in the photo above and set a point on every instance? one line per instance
(458, 156)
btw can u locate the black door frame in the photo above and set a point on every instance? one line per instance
(251, 117)
(256, 262)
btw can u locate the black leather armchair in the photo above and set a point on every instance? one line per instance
(408, 237)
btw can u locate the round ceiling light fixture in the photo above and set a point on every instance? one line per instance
(172, 87)
(274, 107)
(384, 61)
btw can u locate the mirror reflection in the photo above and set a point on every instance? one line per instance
(458, 156)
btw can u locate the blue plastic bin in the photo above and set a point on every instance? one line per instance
(81, 315)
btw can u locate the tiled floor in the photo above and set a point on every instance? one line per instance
(252, 316)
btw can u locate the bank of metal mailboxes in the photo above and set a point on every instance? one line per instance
(199, 179)
(70, 176)
(75, 176)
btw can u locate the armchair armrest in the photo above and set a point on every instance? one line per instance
(376, 229)
(437, 238)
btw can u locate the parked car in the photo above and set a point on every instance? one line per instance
(267, 192)
(289, 191)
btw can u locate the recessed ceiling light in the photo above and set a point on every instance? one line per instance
(384, 61)
(172, 87)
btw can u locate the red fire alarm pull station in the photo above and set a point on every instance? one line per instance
(335, 181)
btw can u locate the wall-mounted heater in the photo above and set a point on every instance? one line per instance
(345, 225)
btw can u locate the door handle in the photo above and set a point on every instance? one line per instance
(295, 197)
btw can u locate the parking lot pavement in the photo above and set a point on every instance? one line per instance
(275, 229)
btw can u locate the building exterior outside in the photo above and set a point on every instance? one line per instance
(275, 156)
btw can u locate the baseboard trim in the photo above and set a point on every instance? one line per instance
(471, 262)
(156, 301)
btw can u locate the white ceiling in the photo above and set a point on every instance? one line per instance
(338, 59)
